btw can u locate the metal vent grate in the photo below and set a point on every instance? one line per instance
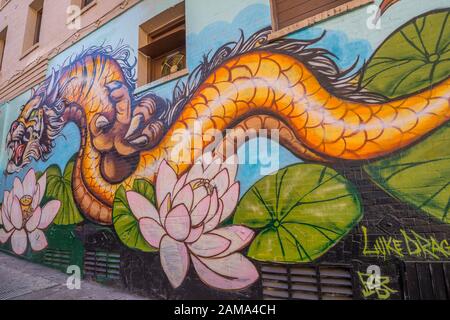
(307, 282)
(60, 259)
(102, 265)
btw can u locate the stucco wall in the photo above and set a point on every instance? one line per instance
(54, 29)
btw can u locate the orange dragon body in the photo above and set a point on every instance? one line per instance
(281, 85)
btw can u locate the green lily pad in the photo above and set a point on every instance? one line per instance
(413, 58)
(59, 187)
(302, 212)
(419, 175)
(125, 224)
(146, 189)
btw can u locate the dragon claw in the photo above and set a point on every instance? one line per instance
(140, 141)
(102, 122)
(114, 85)
(148, 136)
(135, 125)
(148, 104)
(154, 130)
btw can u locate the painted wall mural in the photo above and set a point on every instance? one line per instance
(161, 177)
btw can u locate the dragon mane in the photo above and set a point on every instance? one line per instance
(319, 61)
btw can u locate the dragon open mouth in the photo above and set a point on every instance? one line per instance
(16, 152)
(19, 150)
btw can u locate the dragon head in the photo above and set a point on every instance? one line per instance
(26, 139)
(31, 135)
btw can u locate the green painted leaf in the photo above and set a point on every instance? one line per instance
(125, 224)
(302, 212)
(59, 187)
(413, 58)
(145, 188)
(419, 175)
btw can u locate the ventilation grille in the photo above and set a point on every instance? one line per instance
(59, 259)
(307, 282)
(102, 265)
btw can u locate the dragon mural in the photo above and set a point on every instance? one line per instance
(365, 149)
(322, 114)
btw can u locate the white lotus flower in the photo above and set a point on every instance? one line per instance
(22, 217)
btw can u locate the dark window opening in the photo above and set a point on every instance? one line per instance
(34, 25)
(2, 45)
(289, 12)
(85, 3)
(37, 31)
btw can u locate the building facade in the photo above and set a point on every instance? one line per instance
(251, 149)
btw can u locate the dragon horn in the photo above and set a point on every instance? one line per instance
(52, 82)
(54, 95)
(53, 86)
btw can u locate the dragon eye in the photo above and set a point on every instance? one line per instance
(26, 135)
(33, 113)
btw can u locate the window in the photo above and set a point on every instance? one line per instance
(85, 3)
(307, 282)
(286, 13)
(3, 3)
(37, 30)
(34, 24)
(2, 45)
(162, 45)
(79, 8)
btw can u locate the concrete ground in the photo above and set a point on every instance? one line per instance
(23, 280)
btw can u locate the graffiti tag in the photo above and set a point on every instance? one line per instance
(410, 244)
(374, 284)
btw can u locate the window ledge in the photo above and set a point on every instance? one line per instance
(318, 18)
(30, 50)
(4, 4)
(161, 81)
(83, 11)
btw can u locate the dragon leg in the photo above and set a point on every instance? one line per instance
(119, 156)
(145, 131)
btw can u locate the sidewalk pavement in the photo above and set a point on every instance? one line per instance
(23, 280)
